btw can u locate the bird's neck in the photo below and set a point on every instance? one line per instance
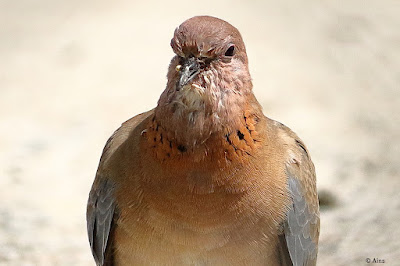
(228, 131)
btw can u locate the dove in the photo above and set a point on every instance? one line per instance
(204, 178)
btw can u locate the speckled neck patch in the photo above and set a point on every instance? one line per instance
(233, 145)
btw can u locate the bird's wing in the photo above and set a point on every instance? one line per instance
(100, 218)
(298, 243)
(101, 215)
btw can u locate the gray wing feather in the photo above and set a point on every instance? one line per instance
(300, 243)
(100, 215)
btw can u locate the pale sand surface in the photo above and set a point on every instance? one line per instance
(72, 71)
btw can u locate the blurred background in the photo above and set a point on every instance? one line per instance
(72, 71)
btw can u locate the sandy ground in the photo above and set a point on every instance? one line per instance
(72, 71)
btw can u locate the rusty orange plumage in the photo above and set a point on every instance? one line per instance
(204, 178)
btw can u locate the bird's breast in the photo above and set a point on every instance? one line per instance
(198, 218)
(195, 206)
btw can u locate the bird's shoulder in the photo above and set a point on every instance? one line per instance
(297, 159)
(124, 134)
(293, 149)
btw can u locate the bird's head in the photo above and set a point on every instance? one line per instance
(204, 46)
(208, 78)
(206, 49)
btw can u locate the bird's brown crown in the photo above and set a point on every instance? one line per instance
(206, 36)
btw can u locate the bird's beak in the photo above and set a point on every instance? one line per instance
(188, 70)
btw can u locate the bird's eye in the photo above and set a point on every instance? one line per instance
(230, 51)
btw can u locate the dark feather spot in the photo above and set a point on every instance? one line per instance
(247, 127)
(228, 140)
(181, 148)
(240, 135)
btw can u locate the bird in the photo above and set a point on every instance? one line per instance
(204, 178)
